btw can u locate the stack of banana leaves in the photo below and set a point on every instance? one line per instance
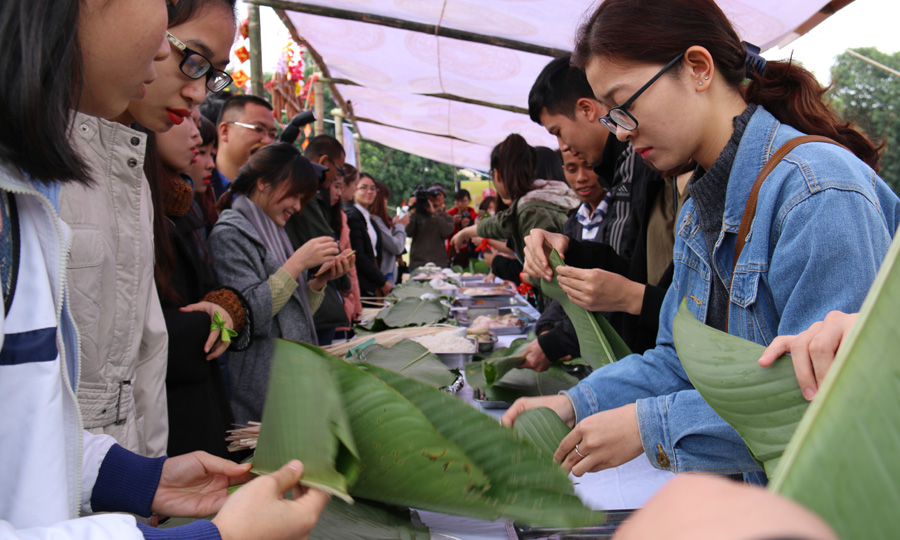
(376, 427)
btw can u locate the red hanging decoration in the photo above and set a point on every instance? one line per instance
(240, 78)
(245, 28)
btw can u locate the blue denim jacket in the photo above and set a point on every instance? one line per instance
(823, 224)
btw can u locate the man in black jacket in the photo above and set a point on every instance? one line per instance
(562, 101)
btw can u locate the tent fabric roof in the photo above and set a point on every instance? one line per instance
(406, 80)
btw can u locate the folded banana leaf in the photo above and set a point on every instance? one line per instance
(842, 461)
(600, 344)
(412, 289)
(413, 312)
(542, 428)
(408, 358)
(418, 446)
(519, 383)
(322, 441)
(764, 405)
(487, 369)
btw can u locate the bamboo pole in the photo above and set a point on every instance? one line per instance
(338, 115)
(319, 107)
(256, 70)
(874, 63)
(432, 29)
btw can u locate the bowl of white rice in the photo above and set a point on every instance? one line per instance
(452, 346)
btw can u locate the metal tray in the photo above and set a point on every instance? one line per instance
(614, 518)
(466, 317)
(490, 301)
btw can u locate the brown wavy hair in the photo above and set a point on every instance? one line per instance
(656, 31)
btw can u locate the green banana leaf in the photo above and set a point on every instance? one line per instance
(413, 312)
(408, 358)
(600, 344)
(764, 405)
(524, 485)
(361, 521)
(541, 427)
(421, 447)
(842, 461)
(487, 369)
(322, 441)
(412, 289)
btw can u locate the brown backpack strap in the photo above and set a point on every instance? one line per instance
(750, 208)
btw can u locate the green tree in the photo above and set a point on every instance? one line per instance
(401, 172)
(870, 96)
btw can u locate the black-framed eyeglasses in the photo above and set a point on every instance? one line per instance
(619, 117)
(340, 170)
(259, 129)
(195, 65)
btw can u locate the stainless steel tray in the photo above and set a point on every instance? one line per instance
(465, 318)
(614, 518)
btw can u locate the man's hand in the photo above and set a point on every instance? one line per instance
(260, 510)
(598, 290)
(538, 245)
(196, 484)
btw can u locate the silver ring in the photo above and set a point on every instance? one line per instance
(579, 453)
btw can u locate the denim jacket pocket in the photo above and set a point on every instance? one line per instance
(752, 313)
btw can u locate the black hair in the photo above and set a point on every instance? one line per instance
(274, 164)
(549, 164)
(211, 107)
(462, 194)
(42, 73)
(207, 130)
(184, 10)
(323, 145)
(558, 87)
(238, 103)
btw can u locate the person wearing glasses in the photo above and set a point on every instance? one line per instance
(680, 85)
(110, 270)
(245, 123)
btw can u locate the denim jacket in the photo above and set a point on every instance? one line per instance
(824, 221)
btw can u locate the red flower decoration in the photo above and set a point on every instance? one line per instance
(242, 53)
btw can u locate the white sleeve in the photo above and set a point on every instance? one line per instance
(94, 449)
(99, 527)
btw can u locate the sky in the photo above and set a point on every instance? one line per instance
(864, 23)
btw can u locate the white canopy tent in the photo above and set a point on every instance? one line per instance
(449, 79)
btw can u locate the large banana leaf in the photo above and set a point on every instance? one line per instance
(412, 289)
(529, 383)
(413, 312)
(322, 441)
(764, 405)
(600, 344)
(842, 462)
(525, 485)
(408, 358)
(541, 427)
(421, 447)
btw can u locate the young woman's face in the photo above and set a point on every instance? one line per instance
(582, 179)
(498, 184)
(669, 124)
(201, 169)
(120, 42)
(178, 147)
(276, 202)
(173, 94)
(337, 187)
(365, 192)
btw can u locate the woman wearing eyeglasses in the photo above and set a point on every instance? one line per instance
(111, 266)
(365, 239)
(674, 74)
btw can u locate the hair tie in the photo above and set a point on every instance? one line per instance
(754, 64)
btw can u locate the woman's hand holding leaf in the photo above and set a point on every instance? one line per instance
(560, 404)
(260, 510)
(340, 265)
(598, 290)
(215, 345)
(538, 245)
(813, 350)
(606, 439)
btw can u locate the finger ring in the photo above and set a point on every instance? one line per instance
(579, 453)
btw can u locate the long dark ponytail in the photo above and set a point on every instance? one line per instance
(655, 31)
